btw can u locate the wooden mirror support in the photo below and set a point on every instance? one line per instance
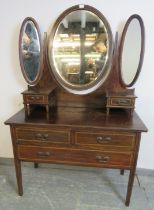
(128, 63)
(40, 84)
(118, 96)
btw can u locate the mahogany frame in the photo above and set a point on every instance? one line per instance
(40, 69)
(86, 89)
(130, 19)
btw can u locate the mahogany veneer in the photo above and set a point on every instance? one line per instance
(77, 136)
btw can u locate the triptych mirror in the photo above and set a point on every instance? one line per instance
(30, 51)
(80, 49)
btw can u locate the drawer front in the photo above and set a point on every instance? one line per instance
(35, 99)
(106, 140)
(78, 157)
(122, 102)
(43, 136)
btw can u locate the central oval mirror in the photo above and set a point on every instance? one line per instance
(80, 49)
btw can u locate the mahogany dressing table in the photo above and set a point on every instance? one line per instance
(77, 129)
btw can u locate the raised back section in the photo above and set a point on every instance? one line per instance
(96, 99)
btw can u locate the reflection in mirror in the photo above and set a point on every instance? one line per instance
(30, 46)
(132, 52)
(80, 48)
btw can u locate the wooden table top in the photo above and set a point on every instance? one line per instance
(80, 117)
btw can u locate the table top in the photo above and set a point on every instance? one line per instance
(80, 117)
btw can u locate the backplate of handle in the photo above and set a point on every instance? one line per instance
(103, 139)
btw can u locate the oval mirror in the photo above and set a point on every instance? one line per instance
(131, 50)
(30, 51)
(80, 49)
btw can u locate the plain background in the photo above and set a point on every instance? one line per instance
(12, 83)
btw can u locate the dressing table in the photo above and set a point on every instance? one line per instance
(78, 129)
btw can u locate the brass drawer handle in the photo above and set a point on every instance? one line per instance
(123, 101)
(45, 136)
(42, 137)
(35, 97)
(43, 154)
(32, 97)
(103, 139)
(103, 159)
(38, 135)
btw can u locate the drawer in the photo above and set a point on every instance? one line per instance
(122, 102)
(74, 156)
(42, 136)
(106, 140)
(35, 99)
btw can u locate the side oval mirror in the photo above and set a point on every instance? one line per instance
(131, 51)
(30, 51)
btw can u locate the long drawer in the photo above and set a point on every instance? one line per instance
(42, 136)
(74, 156)
(106, 140)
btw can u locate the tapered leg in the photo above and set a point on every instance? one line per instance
(130, 186)
(122, 171)
(47, 108)
(35, 165)
(19, 176)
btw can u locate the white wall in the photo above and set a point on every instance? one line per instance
(45, 12)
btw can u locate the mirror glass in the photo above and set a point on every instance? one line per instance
(80, 49)
(30, 51)
(132, 51)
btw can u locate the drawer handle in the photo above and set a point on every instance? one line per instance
(103, 159)
(123, 101)
(32, 97)
(45, 136)
(38, 135)
(43, 154)
(35, 97)
(42, 137)
(104, 139)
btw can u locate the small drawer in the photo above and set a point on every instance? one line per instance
(77, 157)
(42, 136)
(122, 102)
(34, 99)
(106, 140)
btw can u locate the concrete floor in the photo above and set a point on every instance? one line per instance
(57, 187)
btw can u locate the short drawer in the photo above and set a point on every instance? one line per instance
(34, 99)
(36, 135)
(106, 140)
(122, 102)
(74, 156)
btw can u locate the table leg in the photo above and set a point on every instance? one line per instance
(132, 171)
(122, 171)
(35, 165)
(18, 176)
(108, 110)
(130, 186)
(47, 108)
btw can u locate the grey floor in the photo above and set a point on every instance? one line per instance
(58, 187)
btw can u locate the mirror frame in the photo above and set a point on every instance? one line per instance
(130, 19)
(91, 87)
(40, 67)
